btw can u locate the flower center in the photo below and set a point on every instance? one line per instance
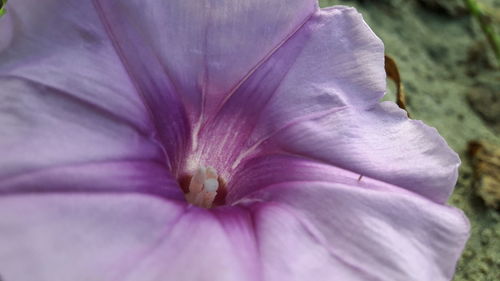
(203, 187)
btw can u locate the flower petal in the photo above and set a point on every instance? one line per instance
(266, 170)
(122, 237)
(381, 143)
(45, 128)
(333, 61)
(205, 48)
(380, 235)
(61, 45)
(289, 250)
(204, 245)
(79, 237)
(99, 177)
(66, 98)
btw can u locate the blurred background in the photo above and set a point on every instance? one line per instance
(452, 82)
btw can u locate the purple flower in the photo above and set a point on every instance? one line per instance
(265, 114)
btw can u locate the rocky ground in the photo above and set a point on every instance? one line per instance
(448, 71)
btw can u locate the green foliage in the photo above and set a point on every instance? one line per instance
(486, 25)
(2, 7)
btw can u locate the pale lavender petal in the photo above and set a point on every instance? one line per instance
(266, 170)
(365, 224)
(79, 237)
(62, 45)
(291, 250)
(66, 98)
(136, 237)
(333, 61)
(381, 235)
(7, 31)
(188, 55)
(203, 48)
(381, 143)
(99, 177)
(205, 246)
(43, 129)
(122, 237)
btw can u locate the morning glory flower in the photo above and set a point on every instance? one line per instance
(212, 140)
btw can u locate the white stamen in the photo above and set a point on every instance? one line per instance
(208, 199)
(211, 173)
(203, 187)
(197, 180)
(210, 185)
(198, 199)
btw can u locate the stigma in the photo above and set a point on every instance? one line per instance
(203, 187)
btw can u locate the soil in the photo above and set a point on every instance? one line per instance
(453, 84)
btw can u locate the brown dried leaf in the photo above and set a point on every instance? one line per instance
(486, 163)
(392, 71)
